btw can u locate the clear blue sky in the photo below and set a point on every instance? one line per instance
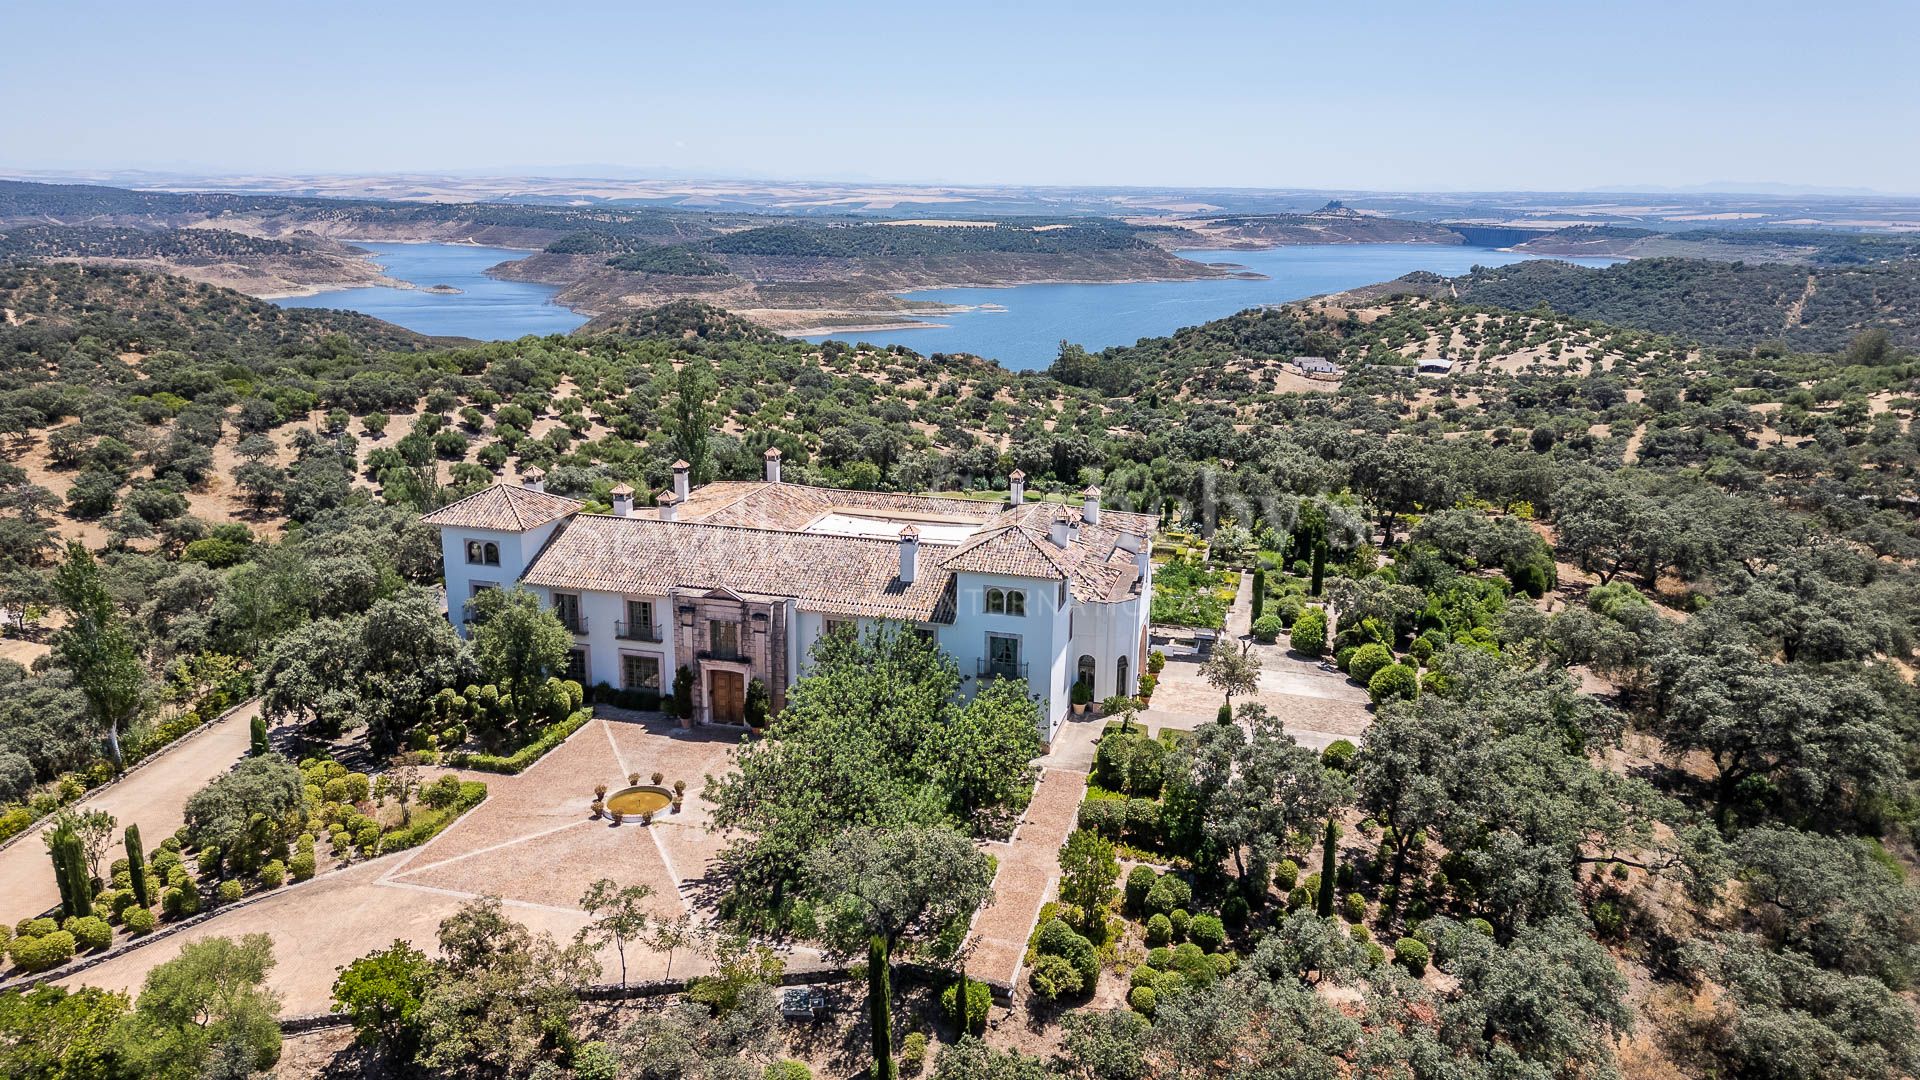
(1364, 93)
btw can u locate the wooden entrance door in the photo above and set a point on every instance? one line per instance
(727, 693)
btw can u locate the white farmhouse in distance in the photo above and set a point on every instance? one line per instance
(735, 580)
(1433, 365)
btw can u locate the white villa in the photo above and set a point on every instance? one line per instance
(735, 580)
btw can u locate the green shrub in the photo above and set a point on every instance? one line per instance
(1225, 715)
(1143, 822)
(1181, 920)
(1208, 932)
(553, 735)
(1140, 1000)
(1266, 629)
(1104, 816)
(1139, 882)
(1235, 911)
(32, 928)
(1054, 977)
(91, 933)
(230, 890)
(787, 1070)
(1355, 906)
(1412, 954)
(1298, 898)
(595, 1061)
(302, 865)
(1394, 681)
(979, 1000)
(1310, 633)
(1168, 893)
(1340, 756)
(1056, 938)
(1159, 930)
(1286, 875)
(1343, 654)
(913, 1053)
(140, 921)
(274, 874)
(44, 952)
(1367, 661)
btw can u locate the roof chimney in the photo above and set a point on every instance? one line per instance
(773, 464)
(1016, 487)
(909, 554)
(682, 480)
(534, 479)
(667, 504)
(1090, 506)
(623, 501)
(1061, 531)
(1142, 562)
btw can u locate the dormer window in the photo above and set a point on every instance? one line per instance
(483, 553)
(1006, 602)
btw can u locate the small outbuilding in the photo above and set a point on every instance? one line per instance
(1318, 365)
(1434, 365)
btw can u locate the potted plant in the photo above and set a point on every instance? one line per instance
(646, 818)
(618, 817)
(633, 779)
(1156, 660)
(657, 777)
(599, 791)
(599, 808)
(1082, 697)
(1147, 683)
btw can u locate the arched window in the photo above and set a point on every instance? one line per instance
(1016, 602)
(493, 554)
(1122, 685)
(473, 551)
(996, 602)
(1086, 672)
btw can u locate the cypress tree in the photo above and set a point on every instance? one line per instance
(259, 736)
(70, 874)
(1328, 868)
(57, 851)
(137, 866)
(1259, 592)
(880, 1008)
(1319, 563)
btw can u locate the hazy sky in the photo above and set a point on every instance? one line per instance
(1364, 93)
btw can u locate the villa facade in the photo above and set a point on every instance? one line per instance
(736, 580)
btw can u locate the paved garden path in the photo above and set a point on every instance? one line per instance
(153, 796)
(1029, 870)
(531, 843)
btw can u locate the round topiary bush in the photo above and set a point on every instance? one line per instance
(1266, 628)
(230, 890)
(1159, 930)
(1168, 893)
(1056, 938)
(1354, 906)
(1367, 661)
(302, 865)
(42, 953)
(1310, 633)
(1340, 756)
(1393, 682)
(274, 874)
(787, 1070)
(1286, 875)
(595, 1061)
(1139, 882)
(140, 921)
(1141, 1000)
(913, 1053)
(1160, 959)
(1235, 911)
(1412, 954)
(91, 933)
(1208, 932)
(1181, 920)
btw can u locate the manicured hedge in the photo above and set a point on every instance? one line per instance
(426, 824)
(519, 760)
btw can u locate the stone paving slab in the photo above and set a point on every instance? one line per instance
(1028, 877)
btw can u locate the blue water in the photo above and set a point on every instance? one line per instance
(1038, 317)
(484, 308)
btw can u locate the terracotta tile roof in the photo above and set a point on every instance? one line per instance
(762, 505)
(506, 507)
(837, 575)
(1097, 569)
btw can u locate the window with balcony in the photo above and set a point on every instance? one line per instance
(639, 624)
(1003, 658)
(566, 608)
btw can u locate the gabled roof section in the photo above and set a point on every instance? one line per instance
(504, 507)
(1011, 549)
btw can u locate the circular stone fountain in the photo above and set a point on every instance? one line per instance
(635, 801)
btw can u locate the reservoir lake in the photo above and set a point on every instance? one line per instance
(1019, 325)
(484, 308)
(1036, 318)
